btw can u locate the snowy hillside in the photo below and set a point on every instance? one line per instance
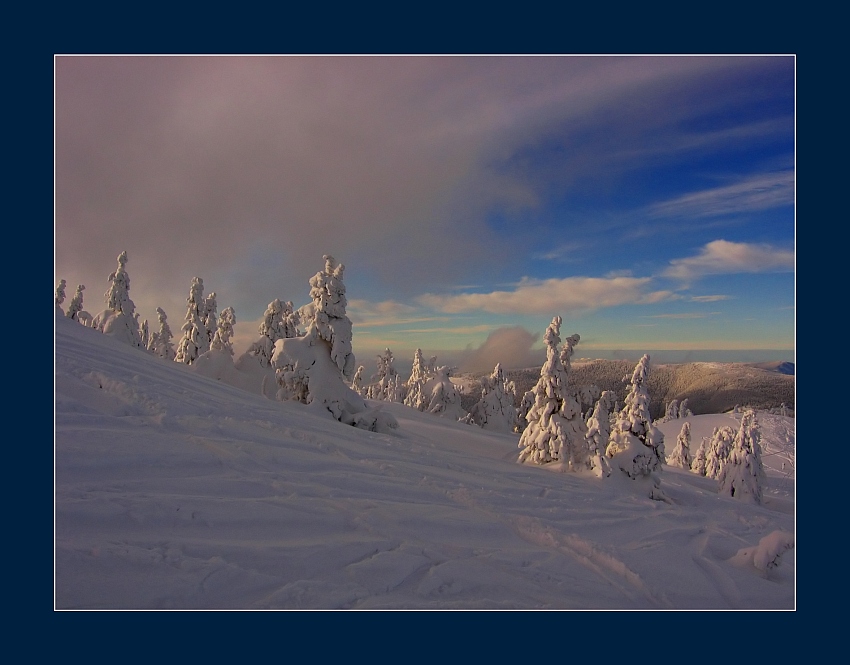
(176, 491)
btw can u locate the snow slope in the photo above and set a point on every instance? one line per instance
(176, 491)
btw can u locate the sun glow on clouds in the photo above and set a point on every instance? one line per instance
(724, 257)
(551, 295)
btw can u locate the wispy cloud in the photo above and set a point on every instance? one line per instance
(760, 192)
(723, 257)
(708, 298)
(386, 313)
(551, 295)
(684, 315)
(562, 253)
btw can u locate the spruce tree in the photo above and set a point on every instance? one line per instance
(194, 331)
(119, 317)
(555, 430)
(76, 305)
(742, 477)
(681, 455)
(60, 293)
(415, 396)
(637, 446)
(224, 331)
(599, 433)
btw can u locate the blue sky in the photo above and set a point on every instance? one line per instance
(648, 200)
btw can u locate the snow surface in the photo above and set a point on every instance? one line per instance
(177, 491)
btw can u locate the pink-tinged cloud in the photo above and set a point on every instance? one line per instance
(721, 257)
(709, 298)
(551, 295)
(510, 346)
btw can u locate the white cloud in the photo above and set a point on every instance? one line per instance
(709, 298)
(551, 295)
(760, 192)
(723, 257)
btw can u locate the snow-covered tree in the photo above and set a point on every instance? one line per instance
(443, 397)
(272, 328)
(742, 477)
(599, 433)
(209, 314)
(415, 395)
(289, 320)
(317, 368)
(637, 446)
(357, 381)
(160, 343)
(119, 318)
(495, 410)
(718, 450)
(330, 320)
(75, 309)
(684, 411)
(681, 455)
(144, 333)
(556, 431)
(60, 293)
(522, 410)
(195, 333)
(224, 331)
(671, 411)
(386, 384)
(698, 462)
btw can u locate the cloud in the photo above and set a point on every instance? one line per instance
(551, 295)
(760, 192)
(721, 257)
(708, 298)
(510, 346)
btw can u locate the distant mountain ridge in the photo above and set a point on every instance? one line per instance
(709, 387)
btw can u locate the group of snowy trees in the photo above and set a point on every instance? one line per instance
(731, 456)
(201, 332)
(317, 367)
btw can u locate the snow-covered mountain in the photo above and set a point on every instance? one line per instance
(177, 491)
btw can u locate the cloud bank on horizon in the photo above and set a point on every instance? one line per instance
(649, 200)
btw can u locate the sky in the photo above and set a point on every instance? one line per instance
(647, 200)
(175, 491)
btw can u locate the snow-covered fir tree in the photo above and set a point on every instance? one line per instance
(522, 410)
(444, 398)
(599, 433)
(144, 333)
(271, 329)
(317, 368)
(210, 313)
(718, 450)
(289, 320)
(194, 331)
(556, 431)
(742, 477)
(684, 410)
(119, 318)
(636, 447)
(386, 384)
(224, 331)
(60, 293)
(160, 343)
(415, 395)
(671, 411)
(681, 455)
(699, 458)
(330, 319)
(76, 307)
(357, 381)
(495, 410)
